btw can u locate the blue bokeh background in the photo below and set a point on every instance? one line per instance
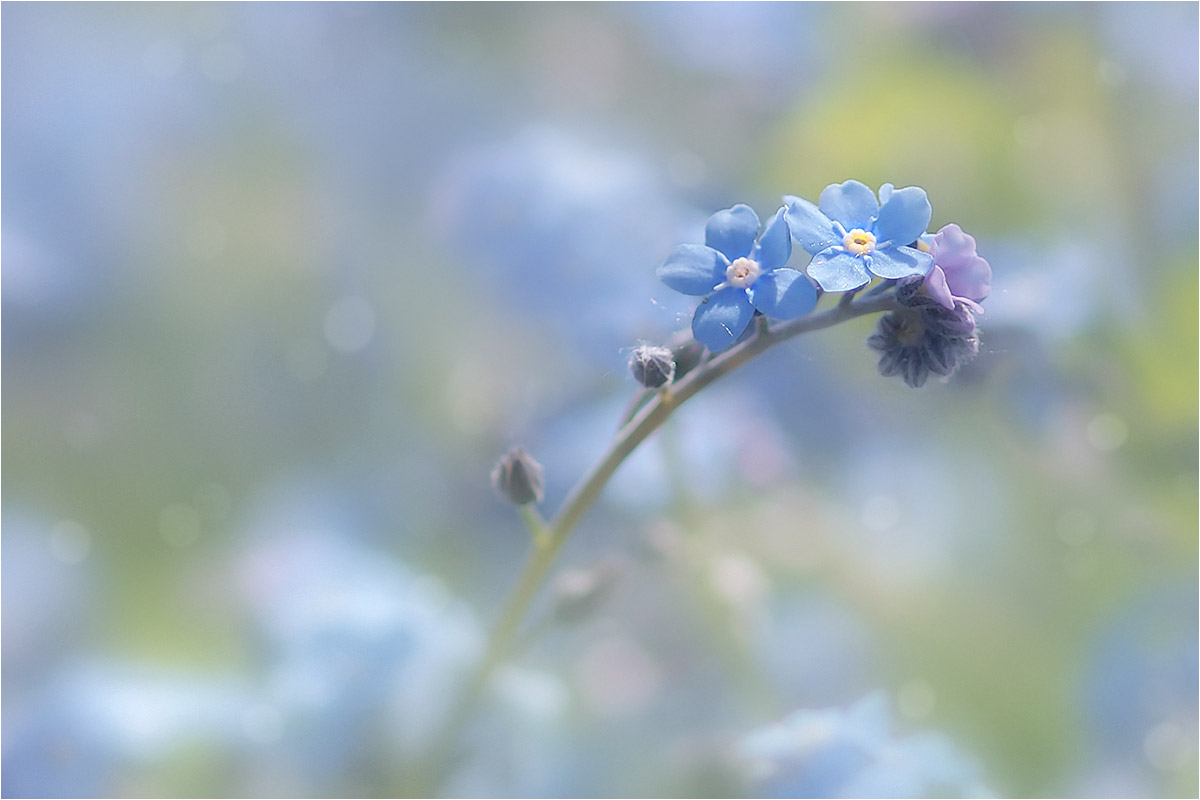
(281, 282)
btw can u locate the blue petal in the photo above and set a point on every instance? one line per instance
(838, 271)
(904, 217)
(784, 294)
(732, 231)
(811, 229)
(693, 269)
(851, 203)
(722, 318)
(900, 262)
(775, 247)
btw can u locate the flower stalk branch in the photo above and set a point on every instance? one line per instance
(549, 539)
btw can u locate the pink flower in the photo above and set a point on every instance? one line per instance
(958, 274)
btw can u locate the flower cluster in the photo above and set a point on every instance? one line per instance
(854, 236)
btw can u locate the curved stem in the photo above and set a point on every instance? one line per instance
(585, 493)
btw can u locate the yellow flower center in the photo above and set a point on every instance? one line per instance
(742, 272)
(859, 242)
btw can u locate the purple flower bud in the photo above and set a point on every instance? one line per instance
(518, 478)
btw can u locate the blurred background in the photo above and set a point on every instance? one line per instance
(282, 281)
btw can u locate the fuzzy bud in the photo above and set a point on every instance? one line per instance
(518, 478)
(652, 366)
(922, 337)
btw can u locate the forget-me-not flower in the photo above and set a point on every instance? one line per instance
(853, 236)
(737, 272)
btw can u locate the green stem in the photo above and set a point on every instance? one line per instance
(536, 525)
(648, 418)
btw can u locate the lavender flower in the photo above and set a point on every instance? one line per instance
(959, 274)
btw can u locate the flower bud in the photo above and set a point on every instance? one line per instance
(518, 478)
(922, 337)
(652, 366)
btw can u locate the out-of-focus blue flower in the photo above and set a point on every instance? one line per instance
(959, 274)
(1138, 690)
(737, 272)
(361, 655)
(357, 634)
(769, 42)
(1156, 43)
(96, 724)
(853, 236)
(851, 752)
(48, 602)
(564, 232)
(840, 668)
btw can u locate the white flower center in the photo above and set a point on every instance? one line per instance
(859, 242)
(743, 272)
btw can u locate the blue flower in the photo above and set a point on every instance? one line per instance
(852, 752)
(852, 236)
(737, 273)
